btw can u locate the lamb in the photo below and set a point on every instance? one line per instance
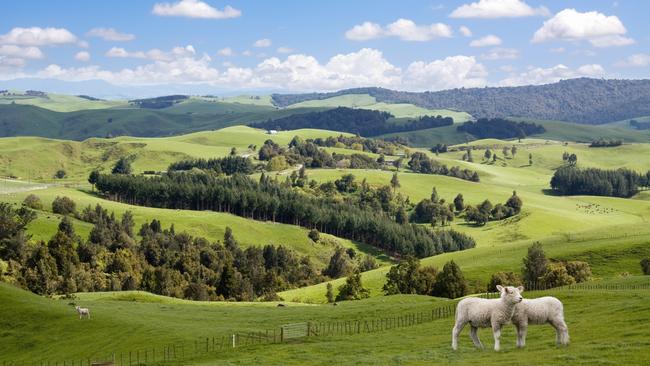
(542, 310)
(82, 312)
(483, 313)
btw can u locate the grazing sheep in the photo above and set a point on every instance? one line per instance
(542, 310)
(483, 313)
(82, 312)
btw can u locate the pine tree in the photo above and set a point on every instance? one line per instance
(330, 293)
(488, 154)
(535, 264)
(459, 202)
(394, 182)
(515, 203)
(434, 195)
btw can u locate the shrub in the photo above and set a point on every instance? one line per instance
(314, 235)
(503, 279)
(330, 293)
(60, 174)
(450, 283)
(645, 266)
(353, 288)
(556, 275)
(580, 271)
(63, 206)
(535, 264)
(33, 201)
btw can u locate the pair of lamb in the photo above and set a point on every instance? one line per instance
(510, 307)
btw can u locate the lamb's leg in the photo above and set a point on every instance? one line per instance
(496, 331)
(562, 332)
(455, 332)
(474, 334)
(521, 335)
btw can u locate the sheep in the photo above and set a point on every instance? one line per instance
(483, 313)
(82, 312)
(542, 310)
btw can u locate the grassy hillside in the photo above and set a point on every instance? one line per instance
(365, 101)
(39, 158)
(60, 102)
(610, 330)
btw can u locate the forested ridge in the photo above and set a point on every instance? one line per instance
(500, 128)
(570, 180)
(279, 202)
(583, 100)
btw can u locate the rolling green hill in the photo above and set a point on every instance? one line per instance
(59, 102)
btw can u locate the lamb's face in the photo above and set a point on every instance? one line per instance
(511, 294)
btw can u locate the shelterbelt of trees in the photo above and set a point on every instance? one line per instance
(270, 200)
(358, 121)
(500, 128)
(570, 180)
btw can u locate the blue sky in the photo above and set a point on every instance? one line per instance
(309, 45)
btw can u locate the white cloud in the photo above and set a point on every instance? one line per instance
(285, 50)
(596, 28)
(405, 29)
(487, 41)
(153, 54)
(466, 32)
(636, 60)
(500, 54)
(194, 9)
(538, 75)
(82, 56)
(110, 34)
(9, 65)
(36, 36)
(225, 52)
(497, 9)
(364, 32)
(247, 53)
(261, 43)
(21, 52)
(452, 72)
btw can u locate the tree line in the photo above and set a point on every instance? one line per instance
(603, 142)
(500, 128)
(571, 180)
(363, 122)
(162, 261)
(267, 199)
(421, 163)
(228, 165)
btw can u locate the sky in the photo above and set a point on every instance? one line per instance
(290, 46)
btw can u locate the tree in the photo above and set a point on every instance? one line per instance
(330, 293)
(394, 182)
(573, 159)
(403, 277)
(233, 151)
(530, 159)
(122, 166)
(401, 217)
(580, 271)
(277, 163)
(494, 157)
(505, 151)
(314, 235)
(503, 279)
(434, 195)
(645, 266)
(476, 216)
(556, 275)
(513, 151)
(488, 154)
(353, 288)
(459, 203)
(515, 203)
(93, 178)
(63, 206)
(33, 201)
(535, 264)
(450, 283)
(340, 264)
(60, 174)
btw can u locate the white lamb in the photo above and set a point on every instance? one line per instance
(82, 312)
(542, 310)
(483, 313)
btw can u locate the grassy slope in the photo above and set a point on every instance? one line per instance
(39, 158)
(611, 330)
(61, 102)
(207, 224)
(365, 101)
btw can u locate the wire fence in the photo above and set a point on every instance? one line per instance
(295, 332)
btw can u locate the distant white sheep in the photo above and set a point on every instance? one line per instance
(82, 312)
(483, 313)
(542, 310)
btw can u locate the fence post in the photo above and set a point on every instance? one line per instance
(233, 341)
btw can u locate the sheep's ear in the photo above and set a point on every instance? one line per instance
(499, 288)
(520, 288)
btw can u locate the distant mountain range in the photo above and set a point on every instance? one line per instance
(583, 100)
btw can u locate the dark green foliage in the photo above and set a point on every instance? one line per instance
(340, 264)
(503, 279)
(645, 266)
(60, 174)
(570, 180)
(580, 271)
(123, 166)
(371, 145)
(556, 275)
(433, 212)
(583, 100)
(500, 128)
(228, 165)
(515, 203)
(459, 202)
(450, 283)
(330, 293)
(353, 288)
(421, 163)
(13, 241)
(159, 102)
(314, 235)
(367, 263)
(639, 125)
(93, 177)
(33, 201)
(358, 121)
(481, 214)
(63, 206)
(535, 264)
(603, 142)
(407, 277)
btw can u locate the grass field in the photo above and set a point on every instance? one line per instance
(37, 328)
(61, 102)
(365, 101)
